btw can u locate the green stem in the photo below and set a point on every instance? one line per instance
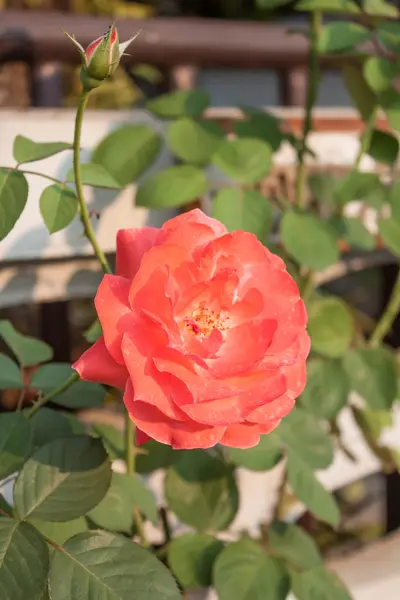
(59, 390)
(49, 177)
(84, 213)
(308, 286)
(390, 313)
(130, 468)
(312, 89)
(366, 138)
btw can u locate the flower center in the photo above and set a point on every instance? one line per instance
(203, 321)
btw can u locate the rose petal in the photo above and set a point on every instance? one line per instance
(131, 245)
(97, 365)
(178, 434)
(141, 437)
(114, 312)
(195, 216)
(241, 436)
(272, 411)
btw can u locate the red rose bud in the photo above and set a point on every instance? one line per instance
(101, 58)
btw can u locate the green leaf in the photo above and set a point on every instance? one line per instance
(109, 567)
(318, 584)
(59, 533)
(127, 152)
(372, 421)
(201, 491)
(310, 491)
(181, 103)
(10, 374)
(58, 207)
(157, 456)
(93, 332)
(15, 442)
(96, 176)
(357, 235)
(82, 394)
(304, 435)
(363, 97)
(339, 6)
(372, 373)
(394, 200)
(268, 4)
(115, 511)
(63, 480)
(28, 350)
(244, 571)
(13, 197)
(390, 233)
(261, 125)
(309, 241)
(191, 558)
(49, 425)
(384, 147)
(5, 508)
(174, 186)
(293, 545)
(262, 457)
(357, 185)
(330, 326)
(246, 210)
(26, 150)
(340, 36)
(113, 440)
(380, 8)
(246, 160)
(379, 72)
(390, 102)
(389, 34)
(24, 561)
(322, 186)
(194, 141)
(327, 388)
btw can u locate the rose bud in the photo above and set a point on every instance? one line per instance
(205, 331)
(101, 58)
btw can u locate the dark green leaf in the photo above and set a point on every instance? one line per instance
(318, 584)
(390, 233)
(82, 394)
(268, 4)
(109, 567)
(10, 374)
(262, 457)
(262, 126)
(115, 511)
(28, 350)
(63, 480)
(127, 152)
(194, 141)
(174, 186)
(15, 442)
(330, 326)
(357, 235)
(180, 103)
(24, 561)
(294, 545)
(247, 160)
(384, 147)
(341, 35)
(310, 491)
(304, 435)
(96, 176)
(13, 197)
(49, 425)
(246, 210)
(201, 491)
(363, 97)
(26, 150)
(372, 373)
(191, 558)
(59, 533)
(113, 440)
(327, 388)
(158, 456)
(390, 102)
(5, 508)
(389, 33)
(309, 241)
(58, 207)
(244, 571)
(379, 72)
